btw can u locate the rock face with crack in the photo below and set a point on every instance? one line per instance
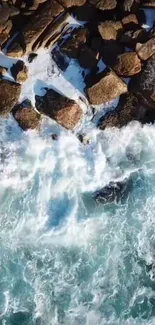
(63, 110)
(9, 94)
(71, 3)
(105, 88)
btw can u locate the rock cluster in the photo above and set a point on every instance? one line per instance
(110, 27)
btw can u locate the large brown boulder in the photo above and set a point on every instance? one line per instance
(104, 4)
(9, 94)
(143, 85)
(129, 109)
(105, 87)
(63, 110)
(26, 116)
(128, 64)
(110, 30)
(71, 3)
(130, 5)
(146, 50)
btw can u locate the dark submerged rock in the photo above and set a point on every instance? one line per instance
(113, 192)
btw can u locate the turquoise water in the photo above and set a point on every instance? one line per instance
(63, 258)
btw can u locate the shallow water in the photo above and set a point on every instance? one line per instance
(63, 258)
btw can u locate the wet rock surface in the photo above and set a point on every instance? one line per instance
(113, 192)
(63, 110)
(26, 116)
(9, 94)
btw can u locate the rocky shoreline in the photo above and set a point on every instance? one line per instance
(111, 31)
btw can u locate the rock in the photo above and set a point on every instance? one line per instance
(5, 32)
(105, 87)
(71, 47)
(86, 13)
(129, 109)
(63, 110)
(9, 94)
(146, 50)
(61, 60)
(3, 71)
(53, 32)
(130, 5)
(128, 64)
(148, 3)
(54, 137)
(110, 30)
(143, 85)
(26, 116)
(83, 138)
(71, 3)
(110, 52)
(104, 4)
(130, 22)
(19, 71)
(32, 56)
(88, 59)
(113, 192)
(131, 37)
(33, 30)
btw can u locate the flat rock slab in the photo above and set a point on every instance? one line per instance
(33, 30)
(105, 88)
(63, 110)
(9, 95)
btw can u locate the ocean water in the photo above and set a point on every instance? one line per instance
(65, 259)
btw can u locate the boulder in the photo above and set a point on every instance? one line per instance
(143, 85)
(110, 30)
(86, 13)
(128, 64)
(105, 87)
(63, 110)
(19, 71)
(130, 22)
(72, 46)
(146, 50)
(113, 192)
(129, 109)
(26, 116)
(131, 37)
(9, 94)
(110, 51)
(71, 3)
(88, 59)
(32, 56)
(104, 4)
(61, 60)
